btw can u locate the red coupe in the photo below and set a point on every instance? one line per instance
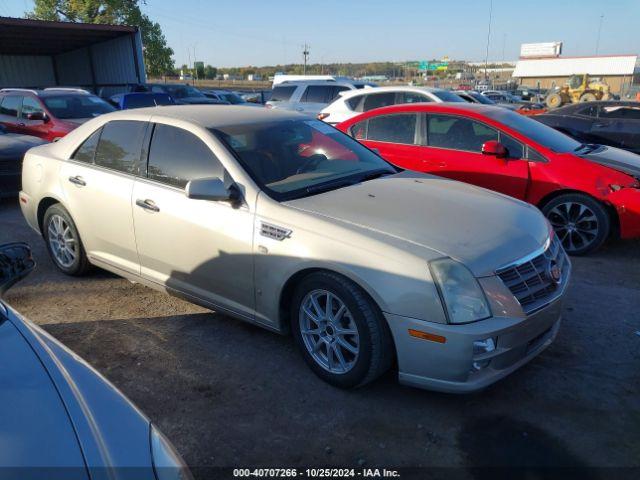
(588, 192)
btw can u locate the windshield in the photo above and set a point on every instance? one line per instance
(482, 98)
(536, 131)
(232, 98)
(183, 91)
(76, 106)
(447, 96)
(297, 158)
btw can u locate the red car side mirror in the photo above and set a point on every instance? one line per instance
(37, 116)
(494, 148)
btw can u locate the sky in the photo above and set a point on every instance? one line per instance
(228, 33)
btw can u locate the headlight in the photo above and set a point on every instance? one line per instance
(464, 300)
(167, 463)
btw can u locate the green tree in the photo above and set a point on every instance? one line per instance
(157, 55)
(210, 72)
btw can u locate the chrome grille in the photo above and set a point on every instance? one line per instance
(531, 280)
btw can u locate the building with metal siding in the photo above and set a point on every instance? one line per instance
(37, 54)
(619, 71)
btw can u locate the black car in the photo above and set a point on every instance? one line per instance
(13, 146)
(616, 124)
(183, 94)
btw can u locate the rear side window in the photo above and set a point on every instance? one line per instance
(321, 93)
(399, 128)
(282, 94)
(10, 106)
(457, 133)
(378, 100)
(120, 145)
(629, 113)
(177, 156)
(354, 102)
(87, 151)
(411, 97)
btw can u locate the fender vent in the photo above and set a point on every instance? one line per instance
(273, 231)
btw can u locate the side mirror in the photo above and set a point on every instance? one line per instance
(16, 263)
(494, 148)
(40, 116)
(212, 189)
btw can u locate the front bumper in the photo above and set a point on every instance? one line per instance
(449, 366)
(627, 205)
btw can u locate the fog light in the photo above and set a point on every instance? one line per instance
(481, 347)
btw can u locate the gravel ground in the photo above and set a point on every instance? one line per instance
(230, 394)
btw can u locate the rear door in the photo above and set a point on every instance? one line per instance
(9, 110)
(618, 126)
(454, 150)
(201, 248)
(396, 137)
(98, 183)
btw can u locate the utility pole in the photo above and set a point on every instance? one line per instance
(305, 54)
(486, 57)
(599, 30)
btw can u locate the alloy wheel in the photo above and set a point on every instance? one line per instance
(62, 242)
(329, 331)
(575, 224)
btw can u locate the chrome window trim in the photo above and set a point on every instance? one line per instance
(526, 258)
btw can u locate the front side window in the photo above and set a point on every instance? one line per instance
(627, 113)
(30, 105)
(76, 106)
(410, 97)
(447, 96)
(514, 148)
(296, 158)
(87, 151)
(321, 93)
(400, 128)
(177, 156)
(120, 145)
(10, 106)
(282, 94)
(458, 133)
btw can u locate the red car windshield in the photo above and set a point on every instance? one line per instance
(536, 131)
(67, 107)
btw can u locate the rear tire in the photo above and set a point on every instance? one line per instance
(581, 222)
(554, 100)
(363, 355)
(63, 241)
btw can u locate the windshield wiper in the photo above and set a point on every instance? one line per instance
(586, 147)
(325, 187)
(374, 174)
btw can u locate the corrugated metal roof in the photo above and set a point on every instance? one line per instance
(566, 66)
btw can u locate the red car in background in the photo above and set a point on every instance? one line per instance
(588, 192)
(50, 113)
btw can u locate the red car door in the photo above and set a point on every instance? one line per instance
(454, 150)
(396, 137)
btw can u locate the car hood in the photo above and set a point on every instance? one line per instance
(36, 429)
(76, 410)
(483, 229)
(13, 145)
(615, 158)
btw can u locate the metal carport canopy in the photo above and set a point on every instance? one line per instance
(20, 36)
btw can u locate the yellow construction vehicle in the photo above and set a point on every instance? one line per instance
(579, 88)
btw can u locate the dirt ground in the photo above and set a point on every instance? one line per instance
(230, 394)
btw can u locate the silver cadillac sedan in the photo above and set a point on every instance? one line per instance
(287, 223)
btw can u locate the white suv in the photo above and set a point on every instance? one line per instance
(352, 103)
(308, 97)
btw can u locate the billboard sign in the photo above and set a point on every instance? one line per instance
(537, 50)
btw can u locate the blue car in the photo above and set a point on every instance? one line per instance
(59, 418)
(125, 101)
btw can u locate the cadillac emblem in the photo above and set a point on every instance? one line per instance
(554, 272)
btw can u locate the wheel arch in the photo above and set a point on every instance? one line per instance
(43, 205)
(613, 214)
(286, 293)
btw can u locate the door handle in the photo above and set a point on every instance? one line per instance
(77, 180)
(147, 205)
(20, 124)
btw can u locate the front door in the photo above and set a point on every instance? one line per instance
(201, 248)
(454, 150)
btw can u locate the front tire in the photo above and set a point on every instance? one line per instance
(588, 97)
(581, 222)
(63, 241)
(340, 331)
(554, 100)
